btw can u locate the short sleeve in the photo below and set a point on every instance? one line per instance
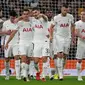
(72, 19)
(76, 25)
(54, 22)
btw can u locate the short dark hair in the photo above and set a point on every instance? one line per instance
(65, 5)
(13, 13)
(36, 8)
(26, 9)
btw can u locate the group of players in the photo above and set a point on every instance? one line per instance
(34, 35)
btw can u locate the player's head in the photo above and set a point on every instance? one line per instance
(35, 12)
(0, 12)
(83, 16)
(26, 13)
(13, 15)
(49, 14)
(64, 9)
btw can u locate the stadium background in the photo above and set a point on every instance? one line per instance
(75, 6)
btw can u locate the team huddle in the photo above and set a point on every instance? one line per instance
(35, 35)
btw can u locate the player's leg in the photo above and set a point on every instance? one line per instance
(79, 55)
(45, 55)
(36, 58)
(62, 55)
(58, 51)
(31, 69)
(55, 57)
(56, 70)
(52, 49)
(7, 66)
(44, 58)
(30, 60)
(17, 61)
(24, 65)
(7, 63)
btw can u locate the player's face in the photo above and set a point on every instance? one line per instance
(25, 15)
(83, 15)
(49, 14)
(36, 13)
(64, 11)
(12, 18)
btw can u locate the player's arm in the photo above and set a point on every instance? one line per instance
(2, 41)
(73, 30)
(77, 33)
(11, 37)
(51, 31)
(18, 19)
(5, 32)
(43, 16)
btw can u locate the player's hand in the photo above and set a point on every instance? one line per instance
(8, 32)
(18, 19)
(6, 46)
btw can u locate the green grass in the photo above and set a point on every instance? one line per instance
(66, 81)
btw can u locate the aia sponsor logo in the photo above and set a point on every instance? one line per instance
(27, 30)
(64, 25)
(39, 26)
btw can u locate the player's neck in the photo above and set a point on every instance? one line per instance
(12, 21)
(63, 14)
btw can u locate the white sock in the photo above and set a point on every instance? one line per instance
(56, 69)
(17, 68)
(7, 66)
(22, 69)
(78, 67)
(31, 68)
(25, 67)
(43, 70)
(60, 67)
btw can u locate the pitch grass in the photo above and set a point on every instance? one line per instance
(67, 81)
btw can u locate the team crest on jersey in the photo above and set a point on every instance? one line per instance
(27, 29)
(64, 25)
(39, 26)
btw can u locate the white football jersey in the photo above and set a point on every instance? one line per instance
(8, 25)
(63, 25)
(40, 30)
(80, 25)
(25, 32)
